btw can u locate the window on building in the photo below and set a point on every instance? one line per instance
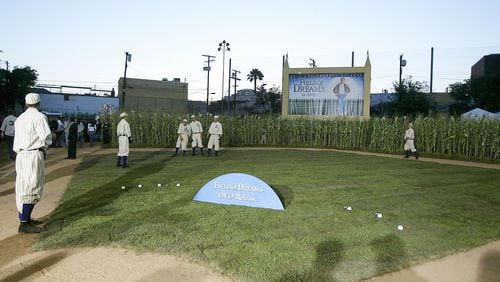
(66, 97)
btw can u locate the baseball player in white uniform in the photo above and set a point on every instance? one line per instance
(124, 133)
(197, 130)
(32, 138)
(214, 132)
(409, 142)
(183, 132)
(8, 133)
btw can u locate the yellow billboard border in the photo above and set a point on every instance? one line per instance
(365, 70)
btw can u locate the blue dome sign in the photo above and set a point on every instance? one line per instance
(239, 189)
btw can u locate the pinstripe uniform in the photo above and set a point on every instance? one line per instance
(123, 132)
(32, 137)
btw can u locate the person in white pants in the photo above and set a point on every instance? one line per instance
(214, 132)
(197, 130)
(32, 138)
(184, 131)
(409, 142)
(123, 132)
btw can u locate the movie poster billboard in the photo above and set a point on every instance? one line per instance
(326, 94)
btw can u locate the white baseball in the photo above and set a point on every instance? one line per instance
(140, 185)
(349, 208)
(400, 227)
(159, 184)
(379, 215)
(178, 185)
(123, 187)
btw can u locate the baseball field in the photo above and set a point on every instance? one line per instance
(443, 208)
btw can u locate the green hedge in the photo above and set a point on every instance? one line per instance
(435, 136)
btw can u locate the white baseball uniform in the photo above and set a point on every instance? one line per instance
(123, 132)
(196, 129)
(215, 132)
(184, 131)
(32, 137)
(409, 137)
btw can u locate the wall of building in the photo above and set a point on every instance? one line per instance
(154, 95)
(75, 104)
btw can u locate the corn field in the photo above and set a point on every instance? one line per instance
(434, 136)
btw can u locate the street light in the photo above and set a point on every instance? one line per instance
(223, 46)
(128, 58)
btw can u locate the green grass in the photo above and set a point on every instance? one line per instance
(444, 209)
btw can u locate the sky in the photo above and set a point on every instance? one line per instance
(83, 43)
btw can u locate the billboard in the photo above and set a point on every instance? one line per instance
(338, 94)
(326, 91)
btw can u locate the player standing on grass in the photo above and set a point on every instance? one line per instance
(183, 131)
(215, 132)
(196, 129)
(409, 142)
(124, 134)
(32, 138)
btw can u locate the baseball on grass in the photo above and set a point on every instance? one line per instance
(123, 187)
(348, 208)
(159, 184)
(139, 186)
(378, 215)
(400, 227)
(178, 185)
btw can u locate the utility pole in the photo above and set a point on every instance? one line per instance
(352, 59)
(229, 89)
(432, 67)
(235, 77)
(402, 63)
(207, 69)
(128, 58)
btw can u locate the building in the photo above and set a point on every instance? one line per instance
(487, 65)
(154, 95)
(75, 104)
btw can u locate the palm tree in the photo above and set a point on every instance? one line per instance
(255, 75)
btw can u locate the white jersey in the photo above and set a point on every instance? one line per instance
(8, 125)
(215, 128)
(409, 134)
(196, 127)
(32, 131)
(123, 128)
(184, 129)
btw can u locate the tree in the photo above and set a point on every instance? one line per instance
(270, 99)
(253, 76)
(14, 85)
(461, 92)
(409, 99)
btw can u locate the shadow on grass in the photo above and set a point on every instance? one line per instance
(329, 254)
(285, 194)
(391, 254)
(95, 200)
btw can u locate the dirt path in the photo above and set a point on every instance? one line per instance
(18, 261)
